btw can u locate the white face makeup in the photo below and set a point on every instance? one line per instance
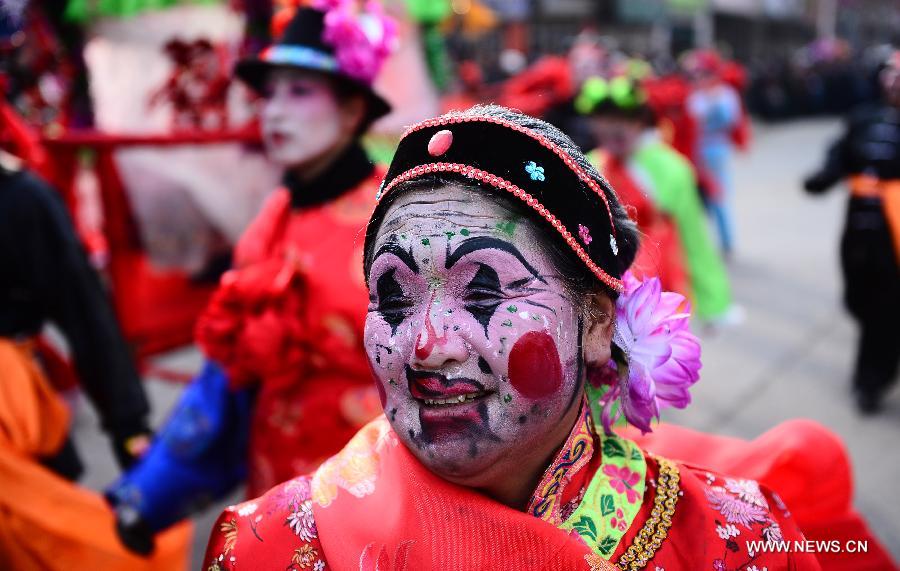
(474, 341)
(301, 118)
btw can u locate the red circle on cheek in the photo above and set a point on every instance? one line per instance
(535, 370)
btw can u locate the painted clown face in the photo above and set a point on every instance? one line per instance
(473, 339)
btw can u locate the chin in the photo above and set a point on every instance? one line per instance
(286, 160)
(455, 464)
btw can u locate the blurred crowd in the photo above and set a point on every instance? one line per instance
(826, 77)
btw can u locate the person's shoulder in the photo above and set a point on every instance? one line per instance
(741, 513)
(25, 196)
(275, 530)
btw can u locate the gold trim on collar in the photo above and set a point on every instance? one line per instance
(650, 538)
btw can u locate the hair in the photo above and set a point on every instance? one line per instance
(642, 113)
(345, 90)
(580, 281)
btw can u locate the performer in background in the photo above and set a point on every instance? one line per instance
(626, 114)
(46, 521)
(716, 109)
(618, 115)
(286, 382)
(867, 156)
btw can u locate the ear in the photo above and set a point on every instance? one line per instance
(599, 328)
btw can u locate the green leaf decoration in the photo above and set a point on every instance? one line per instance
(606, 545)
(586, 528)
(607, 505)
(636, 454)
(612, 448)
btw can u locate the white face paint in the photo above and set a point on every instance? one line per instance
(301, 118)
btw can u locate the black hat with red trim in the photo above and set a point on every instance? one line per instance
(507, 157)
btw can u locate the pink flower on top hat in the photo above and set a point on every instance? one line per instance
(362, 35)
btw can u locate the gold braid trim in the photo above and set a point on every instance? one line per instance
(650, 538)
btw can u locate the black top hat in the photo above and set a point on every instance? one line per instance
(302, 46)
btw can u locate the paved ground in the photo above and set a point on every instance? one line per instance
(792, 356)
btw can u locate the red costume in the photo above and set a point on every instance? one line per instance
(660, 252)
(374, 506)
(290, 316)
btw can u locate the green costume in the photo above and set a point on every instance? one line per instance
(674, 190)
(86, 11)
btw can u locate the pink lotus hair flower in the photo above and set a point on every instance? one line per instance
(652, 329)
(362, 36)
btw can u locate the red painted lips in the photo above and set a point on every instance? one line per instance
(442, 419)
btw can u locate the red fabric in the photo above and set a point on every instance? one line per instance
(374, 506)
(735, 75)
(667, 96)
(156, 308)
(290, 318)
(55, 365)
(539, 87)
(801, 460)
(22, 140)
(660, 251)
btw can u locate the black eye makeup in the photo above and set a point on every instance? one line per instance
(392, 303)
(483, 295)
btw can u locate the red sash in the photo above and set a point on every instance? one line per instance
(400, 516)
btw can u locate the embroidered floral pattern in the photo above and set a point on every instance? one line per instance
(747, 490)
(585, 234)
(535, 171)
(623, 481)
(286, 515)
(302, 522)
(612, 499)
(304, 558)
(353, 469)
(246, 509)
(727, 531)
(734, 509)
(230, 531)
(747, 518)
(618, 521)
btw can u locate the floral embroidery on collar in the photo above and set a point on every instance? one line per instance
(611, 500)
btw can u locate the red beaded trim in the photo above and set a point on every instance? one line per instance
(531, 201)
(564, 156)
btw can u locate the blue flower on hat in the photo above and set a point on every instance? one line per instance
(536, 171)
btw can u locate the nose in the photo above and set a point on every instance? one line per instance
(437, 344)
